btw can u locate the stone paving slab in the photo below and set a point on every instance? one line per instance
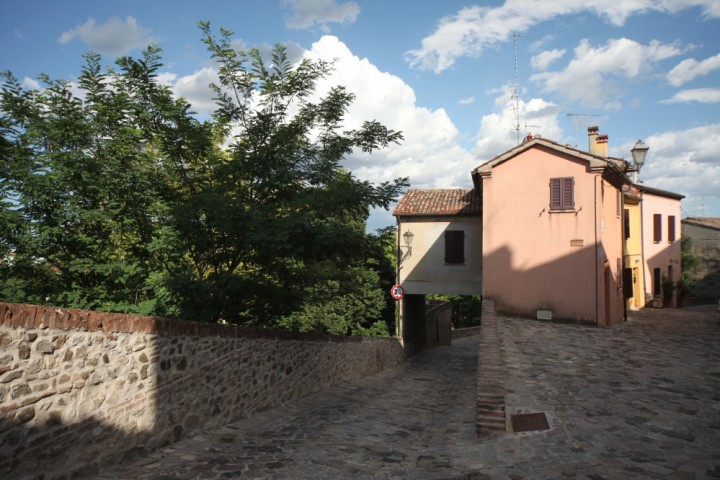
(641, 400)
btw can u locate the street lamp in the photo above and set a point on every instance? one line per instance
(639, 152)
(408, 237)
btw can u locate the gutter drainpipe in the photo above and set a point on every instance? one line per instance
(398, 313)
(597, 246)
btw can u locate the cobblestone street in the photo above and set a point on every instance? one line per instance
(641, 400)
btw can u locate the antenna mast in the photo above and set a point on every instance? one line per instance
(575, 117)
(516, 93)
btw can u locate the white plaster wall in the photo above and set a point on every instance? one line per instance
(424, 271)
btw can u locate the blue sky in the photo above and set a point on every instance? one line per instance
(443, 72)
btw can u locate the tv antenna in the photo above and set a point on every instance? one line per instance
(516, 93)
(576, 117)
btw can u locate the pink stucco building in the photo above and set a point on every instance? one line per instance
(551, 232)
(562, 234)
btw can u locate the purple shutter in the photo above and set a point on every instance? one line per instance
(568, 193)
(657, 228)
(555, 193)
(455, 246)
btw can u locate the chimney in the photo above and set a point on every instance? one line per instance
(592, 135)
(601, 145)
(597, 144)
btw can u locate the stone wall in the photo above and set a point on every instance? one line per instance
(706, 247)
(80, 390)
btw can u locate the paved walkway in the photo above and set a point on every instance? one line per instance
(641, 400)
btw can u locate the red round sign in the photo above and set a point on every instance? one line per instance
(397, 292)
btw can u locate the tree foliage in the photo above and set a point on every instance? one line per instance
(119, 198)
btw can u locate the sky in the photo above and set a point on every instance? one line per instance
(445, 73)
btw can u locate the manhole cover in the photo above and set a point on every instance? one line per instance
(529, 422)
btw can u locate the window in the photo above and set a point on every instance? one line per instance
(626, 221)
(657, 228)
(671, 228)
(656, 281)
(455, 246)
(562, 193)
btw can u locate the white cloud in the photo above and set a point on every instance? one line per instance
(31, 84)
(690, 68)
(700, 95)
(114, 37)
(308, 13)
(195, 89)
(498, 131)
(685, 162)
(430, 153)
(596, 74)
(466, 101)
(543, 59)
(471, 30)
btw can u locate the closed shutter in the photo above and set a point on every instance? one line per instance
(627, 223)
(671, 228)
(568, 193)
(562, 193)
(657, 228)
(555, 197)
(455, 246)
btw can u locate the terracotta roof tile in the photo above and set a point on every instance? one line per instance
(439, 202)
(712, 222)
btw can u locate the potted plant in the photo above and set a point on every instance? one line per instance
(668, 288)
(684, 285)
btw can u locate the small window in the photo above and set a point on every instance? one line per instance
(657, 228)
(455, 246)
(671, 228)
(562, 193)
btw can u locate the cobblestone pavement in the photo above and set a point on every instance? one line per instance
(641, 400)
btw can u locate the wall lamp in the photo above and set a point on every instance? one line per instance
(408, 237)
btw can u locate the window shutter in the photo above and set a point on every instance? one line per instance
(657, 228)
(455, 246)
(671, 228)
(568, 193)
(627, 223)
(555, 196)
(656, 281)
(562, 193)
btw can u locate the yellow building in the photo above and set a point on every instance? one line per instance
(633, 278)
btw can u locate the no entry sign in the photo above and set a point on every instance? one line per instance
(397, 292)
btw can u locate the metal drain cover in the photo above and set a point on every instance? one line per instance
(529, 422)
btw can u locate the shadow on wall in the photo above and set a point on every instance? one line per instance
(81, 390)
(572, 287)
(664, 264)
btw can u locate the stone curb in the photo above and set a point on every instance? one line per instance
(491, 374)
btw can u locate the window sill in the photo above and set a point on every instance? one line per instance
(571, 210)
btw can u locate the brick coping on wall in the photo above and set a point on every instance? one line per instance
(16, 315)
(490, 408)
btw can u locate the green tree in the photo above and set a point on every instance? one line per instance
(118, 198)
(80, 187)
(278, 208)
